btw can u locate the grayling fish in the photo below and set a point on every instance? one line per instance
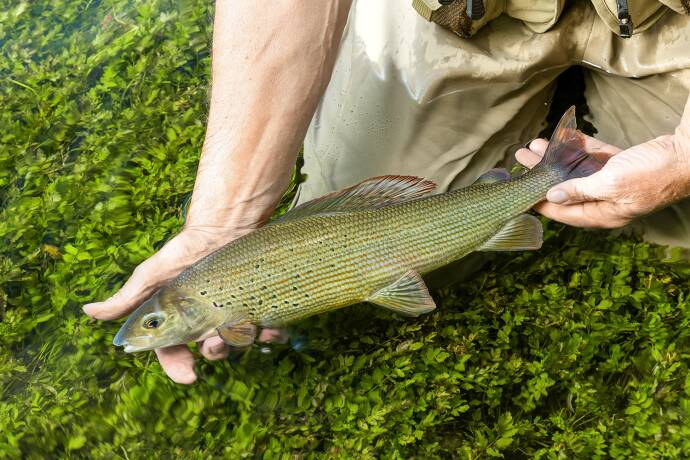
(367, 243)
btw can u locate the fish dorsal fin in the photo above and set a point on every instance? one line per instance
(369, 194)
(493, 175)
(407, 296)
(238, 334)
(521, 233)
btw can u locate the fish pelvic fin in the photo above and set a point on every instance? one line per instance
(371, 193)
(238, 334)
(566, 150)
(522, 233)
(407, 296)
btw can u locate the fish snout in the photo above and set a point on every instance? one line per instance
(119, 340)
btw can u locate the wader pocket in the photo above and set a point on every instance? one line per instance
(541, 15)
(538, 15)
(643, 13)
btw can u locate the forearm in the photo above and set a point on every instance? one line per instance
(271, 64)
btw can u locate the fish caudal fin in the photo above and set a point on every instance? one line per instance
(566, 150)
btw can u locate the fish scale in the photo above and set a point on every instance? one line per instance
(370, 242)
(324, 262)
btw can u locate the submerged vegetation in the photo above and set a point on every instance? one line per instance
(580, 350)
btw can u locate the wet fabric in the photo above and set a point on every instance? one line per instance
(408, 97)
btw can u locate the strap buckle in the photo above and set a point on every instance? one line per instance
(625, 23)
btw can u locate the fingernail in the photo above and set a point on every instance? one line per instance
(88, 308)
(218, 348)
(557, 196)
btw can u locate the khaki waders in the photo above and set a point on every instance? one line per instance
(410, 97)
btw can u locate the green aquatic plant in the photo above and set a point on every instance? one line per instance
(580, 350)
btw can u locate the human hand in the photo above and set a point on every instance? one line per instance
(632, 183)
(191, 244)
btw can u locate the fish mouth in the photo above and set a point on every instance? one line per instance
(133, 348)
(120, 341)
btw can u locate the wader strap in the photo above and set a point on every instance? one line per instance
(625, 23)
(455, 15)
(475, 9)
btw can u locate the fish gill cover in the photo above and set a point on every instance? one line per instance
(580, 350)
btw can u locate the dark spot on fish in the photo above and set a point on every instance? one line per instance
(245, 305)
(295, 304)
(208, 281)
(241, 288)
(285, 302)
(274, 306)
(294, 288)
(232, 296)
(263, 288)
(203, 292)
(306, 295)
(275, 296)
(217, 305)
(220, 288)
(260, 302)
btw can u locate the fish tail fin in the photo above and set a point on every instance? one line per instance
(566, 150)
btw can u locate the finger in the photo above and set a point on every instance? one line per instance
(214, 348)
(599, 148)
(577, 190)
(178, 363)
(146, 279)
(273, 335)
(527, 157)
(595, 214)
(539, 146)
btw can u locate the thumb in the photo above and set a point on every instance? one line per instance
(576, 190)
(146, 279)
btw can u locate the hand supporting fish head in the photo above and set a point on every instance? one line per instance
(169, 317)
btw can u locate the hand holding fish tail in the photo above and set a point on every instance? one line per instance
(634, 182)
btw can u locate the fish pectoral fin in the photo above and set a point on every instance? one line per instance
(407, 296)
(494, 175)
(521, 233)
(369, 194)
(238, 334)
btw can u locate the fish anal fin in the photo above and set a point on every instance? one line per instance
(407, 296)
(522, 233)
(494, 175)
(238, 334)
(369, 194)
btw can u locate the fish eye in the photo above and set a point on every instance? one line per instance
(152, 322)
